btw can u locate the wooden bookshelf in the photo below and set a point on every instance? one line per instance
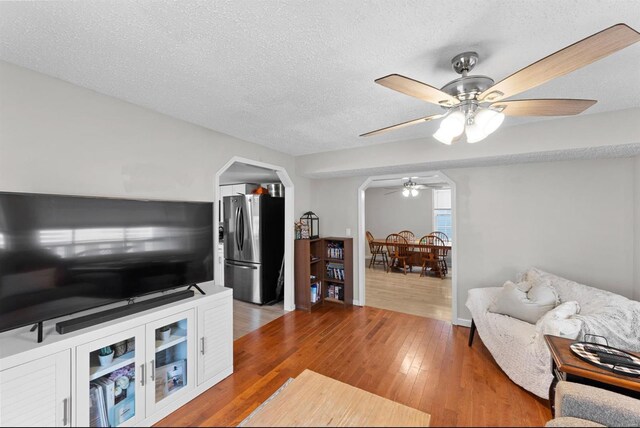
(338, 270)
(308, 263)
(327, 262)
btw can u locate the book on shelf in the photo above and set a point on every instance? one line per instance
(335, 271)
(97, 409)
(108, 391)
(335, 292)
(335, 250)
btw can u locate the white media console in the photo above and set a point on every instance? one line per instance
(151, 371)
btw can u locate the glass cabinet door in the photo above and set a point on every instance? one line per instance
(112, 370)
(170, 347)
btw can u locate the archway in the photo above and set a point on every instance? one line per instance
(289, 302)
(362, 238)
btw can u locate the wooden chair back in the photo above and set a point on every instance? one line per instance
(432, 240)
(407, 235)
(440, 235)
(372, 247)
(397, 250)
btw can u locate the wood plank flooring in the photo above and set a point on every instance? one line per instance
(424, 296)
(420, 362)
(248, 317)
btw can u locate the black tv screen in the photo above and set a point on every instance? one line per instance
(64, 254)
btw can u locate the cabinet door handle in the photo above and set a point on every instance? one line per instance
(153, 370)
(65, 413)
(142, 374)
(202, 345)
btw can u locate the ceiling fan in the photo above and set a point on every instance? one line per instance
(476, 106)
(411, 188)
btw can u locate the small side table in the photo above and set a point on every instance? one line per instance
(565, 365)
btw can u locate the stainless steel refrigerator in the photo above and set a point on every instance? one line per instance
(253, 246)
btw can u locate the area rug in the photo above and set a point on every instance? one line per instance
(271, 397)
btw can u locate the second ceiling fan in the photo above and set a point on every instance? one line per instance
(411, 188)
(476, 106)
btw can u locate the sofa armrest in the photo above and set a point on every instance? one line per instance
(596, 405)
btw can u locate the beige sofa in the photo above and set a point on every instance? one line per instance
(520, 350)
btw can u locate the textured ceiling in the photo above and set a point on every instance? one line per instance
(297, 76)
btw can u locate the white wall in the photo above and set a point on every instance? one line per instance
(56, 137)
(391, 213)
(573, 218)
(636, 295)
(60, 138)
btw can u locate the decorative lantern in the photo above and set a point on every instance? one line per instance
(313, 222)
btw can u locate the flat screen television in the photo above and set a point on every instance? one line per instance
(64, 254)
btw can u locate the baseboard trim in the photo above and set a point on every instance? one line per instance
(463, 322)
(357, 303)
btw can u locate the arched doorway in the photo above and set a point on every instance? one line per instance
(281, 173)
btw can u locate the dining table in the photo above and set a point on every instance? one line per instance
(412, 244)
(414, 247)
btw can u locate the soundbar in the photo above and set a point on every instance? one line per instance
(121, 311)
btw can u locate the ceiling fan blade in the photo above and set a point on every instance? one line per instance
(564, 61)
(417, 89)
(402, 125)
(395, 191)
(543, 107)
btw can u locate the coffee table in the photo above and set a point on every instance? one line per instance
(565, 365)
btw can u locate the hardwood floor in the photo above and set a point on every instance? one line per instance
(424, 296)
(248, 317)
(420, 362)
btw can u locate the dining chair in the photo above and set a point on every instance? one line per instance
(444, 251)
(399, 253)
(431, 254)
(440, 235)
(411, 238)
(408, 235)
(376, 250)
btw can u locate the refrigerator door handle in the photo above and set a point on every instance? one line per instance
(241, 266)
(237, 234)
(241, 229)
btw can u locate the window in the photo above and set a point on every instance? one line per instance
(442, 211)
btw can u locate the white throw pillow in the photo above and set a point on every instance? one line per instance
(529, 305)
(558, 321)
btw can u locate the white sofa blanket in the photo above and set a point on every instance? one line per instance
(520, 350)
(603, 313)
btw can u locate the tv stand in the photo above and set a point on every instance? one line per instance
(63, 372)
(197, 288)
(121, 311)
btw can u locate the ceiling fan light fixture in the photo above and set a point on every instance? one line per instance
(450, 127)
(414, 192)
(443, 136)
(453, 124)
(474, 133)
(488, 120)
(406, 193)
